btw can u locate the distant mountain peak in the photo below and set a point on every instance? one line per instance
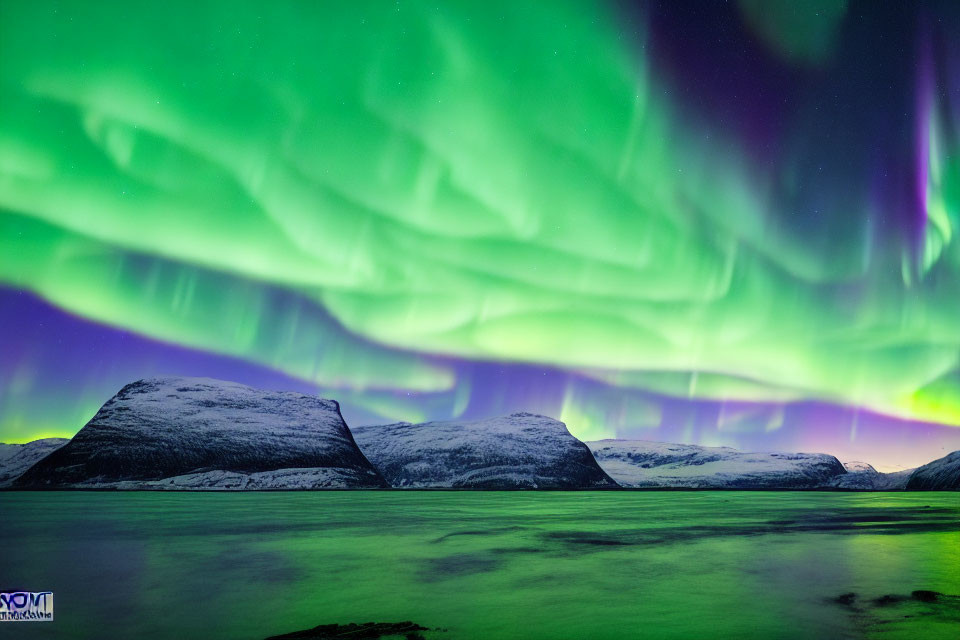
(857, 466)
(15, 459)
(642, 463)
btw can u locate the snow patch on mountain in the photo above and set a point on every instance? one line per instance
(855, 466)
(233, 481)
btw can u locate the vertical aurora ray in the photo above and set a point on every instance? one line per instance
(387, 204)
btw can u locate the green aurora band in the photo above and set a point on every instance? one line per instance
(494, 181)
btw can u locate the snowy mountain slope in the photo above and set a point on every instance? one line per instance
(639, 463)
(522, 450)
(939, 475)
(312, 478)
(17, 458)
(893, 481)
(207, 433)
(861, 475)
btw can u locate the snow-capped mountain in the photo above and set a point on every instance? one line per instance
(199, 433)
(519, 451)
(639, 463)
(17, 458)
(856, 466)
(861, 475)
(939, 475)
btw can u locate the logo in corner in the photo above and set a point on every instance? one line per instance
(26, 606)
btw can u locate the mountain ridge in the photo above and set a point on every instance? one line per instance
(178, 433)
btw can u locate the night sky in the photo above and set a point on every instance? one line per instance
(722, 223)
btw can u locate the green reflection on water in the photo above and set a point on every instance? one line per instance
(486, 564)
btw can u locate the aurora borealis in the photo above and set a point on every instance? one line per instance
(721, 223)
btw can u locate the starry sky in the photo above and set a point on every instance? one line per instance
(722, 223)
